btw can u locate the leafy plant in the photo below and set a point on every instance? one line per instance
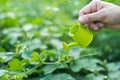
(31, 36)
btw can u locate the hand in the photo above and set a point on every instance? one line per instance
(98, 14)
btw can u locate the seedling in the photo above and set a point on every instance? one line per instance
(81, 35)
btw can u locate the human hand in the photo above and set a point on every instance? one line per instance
(98, 14)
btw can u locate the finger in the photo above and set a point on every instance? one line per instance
(86, 25)
(85, 10)
(94, 26)
(96, 0)
(90, 8)
(89, 18)
(100, 24)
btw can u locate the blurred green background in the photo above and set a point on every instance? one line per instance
(31, 36)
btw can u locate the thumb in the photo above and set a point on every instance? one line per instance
(92, 17)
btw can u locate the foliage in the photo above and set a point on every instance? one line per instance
(31, 36)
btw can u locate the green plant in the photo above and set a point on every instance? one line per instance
(31, 36)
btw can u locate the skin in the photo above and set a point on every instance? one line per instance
(98, 14)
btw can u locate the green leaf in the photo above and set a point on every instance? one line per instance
(43, 57)
(86, 63)
(2, 72)
(6, 56)
(26, 55)
(2, 49)
(3, 1)
(1, 59)
(5, 77)
(47, 54)
(48, 77)
(25, 62)
(37, 21)
(114, 66)
(90, 77)
(115, 75)
(19, 76)
(94, 77)
(63, 76)
(49, 68)
(35, 56)
(10, 22)
(15, 64)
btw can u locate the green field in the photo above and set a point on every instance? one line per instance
(31, 36)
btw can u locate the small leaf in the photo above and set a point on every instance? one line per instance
(49, 68)
(35, 56)
(47, 54)
(63, 76)
(113, 66)
(26, 55)
(48, 77)
(115, 75)
(86, 63)
(15, 64)
(43, 57)
(2, 72)
(94, 77)
(90, 77)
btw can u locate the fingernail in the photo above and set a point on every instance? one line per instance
(100, 24)
(81, 19)
(86, 25)
(95, 28)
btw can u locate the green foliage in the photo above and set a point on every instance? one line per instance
(15, 64)
(31, 36)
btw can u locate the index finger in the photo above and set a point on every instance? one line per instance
(85, 10)
(90, 8)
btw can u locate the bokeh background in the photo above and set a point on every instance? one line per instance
(31, 36)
